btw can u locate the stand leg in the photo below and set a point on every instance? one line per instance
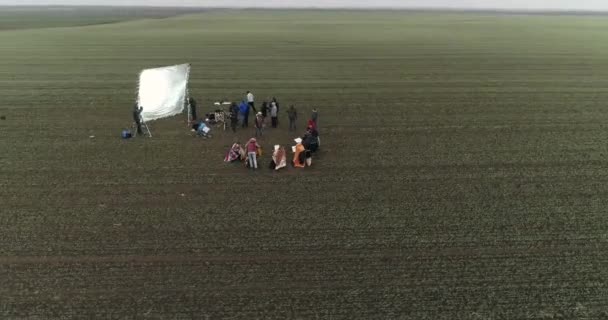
(144, 126)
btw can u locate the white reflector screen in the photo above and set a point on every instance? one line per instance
(162, 91)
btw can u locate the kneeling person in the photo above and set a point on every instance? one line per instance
(279, 158)
(299, 154)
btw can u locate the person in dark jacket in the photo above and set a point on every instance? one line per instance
(137, 117)
(264, 109)
(311, 140)
(234, 116)
(195, 125)
(292, 113)
(311, 137)
(192, 105)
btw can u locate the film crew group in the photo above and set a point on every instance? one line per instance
(305, 147)
(303, 151)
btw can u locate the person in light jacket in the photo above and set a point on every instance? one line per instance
(250, 101)
(259, 125)
(274, 114)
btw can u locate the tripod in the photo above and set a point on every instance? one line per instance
(144, 126)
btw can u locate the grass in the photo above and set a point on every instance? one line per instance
(462, 174)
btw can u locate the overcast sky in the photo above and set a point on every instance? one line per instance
(594, 5)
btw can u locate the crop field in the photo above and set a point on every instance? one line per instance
(463, 171)
(26, 17)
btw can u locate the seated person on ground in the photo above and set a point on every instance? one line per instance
(235, 153)
(310, 141)
(195, 125)
(279, 158)
(210, 118)
(299, 154)
(202, 129)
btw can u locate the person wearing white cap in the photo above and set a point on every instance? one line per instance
(259, 125)
(299, 154)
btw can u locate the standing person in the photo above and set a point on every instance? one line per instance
(250, 101)
(234, 116)
(277, 103)
(292, 113)
(137, 117)
(274, 114)
(314, 116)
(259, 125)
(192, 106)
(252, 148)
(244, 110)
(264, 109)
(278, 107)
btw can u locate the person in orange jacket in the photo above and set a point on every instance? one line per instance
(299, 154)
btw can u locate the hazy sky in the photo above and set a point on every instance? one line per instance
(475, 4)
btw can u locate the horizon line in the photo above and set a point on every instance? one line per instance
(412, 8)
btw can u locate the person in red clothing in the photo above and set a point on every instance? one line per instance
(311, 125)
(252, 149)
(311, 137)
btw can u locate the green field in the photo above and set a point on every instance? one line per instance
(463, 172)
(19, 17)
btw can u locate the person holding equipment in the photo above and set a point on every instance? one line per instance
(137, 117)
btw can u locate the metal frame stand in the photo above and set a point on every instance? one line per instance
(144, 127)
(189, 122)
